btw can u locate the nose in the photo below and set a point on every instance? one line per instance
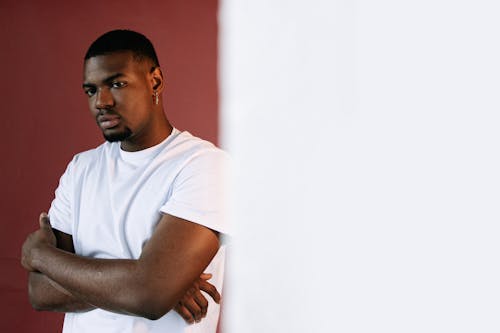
(104, 99)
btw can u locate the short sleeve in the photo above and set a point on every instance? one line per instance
(199, 191)
(60, 212)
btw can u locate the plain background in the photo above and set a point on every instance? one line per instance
(365, 139)
(367, 183)
(45, 118)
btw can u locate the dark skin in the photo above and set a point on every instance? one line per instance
(78, 283)
(121, 94)
(121, 90)
(47, 295)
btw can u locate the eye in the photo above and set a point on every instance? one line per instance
(90, 91)
(118, 84)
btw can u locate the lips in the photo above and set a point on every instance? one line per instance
(108, 121)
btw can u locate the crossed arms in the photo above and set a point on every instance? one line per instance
(167, 275)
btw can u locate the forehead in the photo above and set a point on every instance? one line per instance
(100, 67)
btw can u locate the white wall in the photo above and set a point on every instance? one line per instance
(366, 139)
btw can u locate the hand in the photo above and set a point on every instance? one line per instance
(193, 305)
(42, 237)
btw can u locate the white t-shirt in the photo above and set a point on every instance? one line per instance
(110, 201)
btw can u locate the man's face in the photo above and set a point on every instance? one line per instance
(120, 92)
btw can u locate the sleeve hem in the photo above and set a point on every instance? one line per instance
(209, 220)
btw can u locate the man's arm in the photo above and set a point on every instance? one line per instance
(193, 305)
(171, 261)
(47, 295)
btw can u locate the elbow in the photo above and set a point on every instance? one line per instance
(153, 305)
(154, 315)
(38, 306)
(36, 292)
(37, 302)
(154, 312)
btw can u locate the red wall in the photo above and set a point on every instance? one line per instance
(45, 120)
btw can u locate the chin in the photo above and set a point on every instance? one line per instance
(118, 136)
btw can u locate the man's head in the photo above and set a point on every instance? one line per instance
(124, 40)
(124, 84)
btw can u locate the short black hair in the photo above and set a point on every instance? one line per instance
(123, 40)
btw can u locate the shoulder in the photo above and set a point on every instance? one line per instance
(191, 149)
(93, 157)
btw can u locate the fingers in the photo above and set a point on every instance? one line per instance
(205, 276)
(25, 264)
(44, 221)
(194, 308)
(201, 301)
(184, 312)
(210, 289)
(189, 309)
(26, 254)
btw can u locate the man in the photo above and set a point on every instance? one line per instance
(136, 221)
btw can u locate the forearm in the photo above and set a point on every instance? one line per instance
(47, 295)
(118, 285)
(170, 262)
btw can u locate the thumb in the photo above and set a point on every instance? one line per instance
(205, 276)
(44, 221)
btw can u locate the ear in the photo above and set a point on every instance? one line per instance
(157, 82)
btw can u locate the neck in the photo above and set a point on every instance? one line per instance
(159, 131)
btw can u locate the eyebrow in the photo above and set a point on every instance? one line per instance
(106, 80)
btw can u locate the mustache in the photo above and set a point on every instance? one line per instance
(107, 111)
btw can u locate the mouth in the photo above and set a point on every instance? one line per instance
(108, 121)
